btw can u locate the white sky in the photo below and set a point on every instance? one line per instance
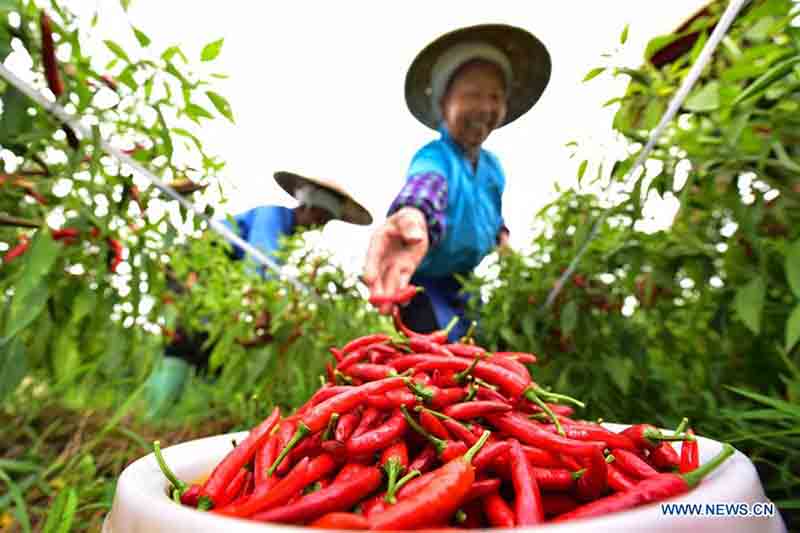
(317, 88)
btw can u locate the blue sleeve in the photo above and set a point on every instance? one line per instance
(261, 227)
(430, 158)
(265, 229)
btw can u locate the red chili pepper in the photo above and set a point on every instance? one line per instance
(633, 465)
(285, 432)
(465, 350)
(522, 357)
(530, 433)
(542, 458)
(482, 488)
(348, 471)
(378, 438)
(317, 417)
(368, 419)
(485, 393)
(364, 341)
(436, 396)
(235, 487)
(490, 453)
(596, 434)
(116, 257)
(17, 250)
(400, 297)
(49, 61)
(223, 474)
(475, 409)
(445, 449)
(459, 431)
(341, 521)
(618, 480)
(664, 457)
(267, 497)
(650, 490)
(594, 482)
(192, 495)
(424, 460)
(556, 504)
(436, 501)
(647, 437)
(330, 373)
(569, 462)
(394, 460)
(404, 362)
(347, 424)
(445, 378)
(498, 512)
(264, 458)
(356, 356)
(370, 372)
(433, 425)
(690, 455)
(528, 508)
(67, 234)
(335, 498)
(439, 336)
(512, 365)
(426, 346)
(336, 353)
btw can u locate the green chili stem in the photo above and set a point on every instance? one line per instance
(165, 469)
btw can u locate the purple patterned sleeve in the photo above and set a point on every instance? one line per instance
(427, 192)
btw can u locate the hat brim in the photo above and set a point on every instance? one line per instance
(352, 211)
(530, 65)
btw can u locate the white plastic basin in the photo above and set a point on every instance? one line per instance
(141, 504)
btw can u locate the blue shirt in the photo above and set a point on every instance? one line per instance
(474, 205)
(263, 227)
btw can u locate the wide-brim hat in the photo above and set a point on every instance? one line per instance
(352, 211)
(527, 57)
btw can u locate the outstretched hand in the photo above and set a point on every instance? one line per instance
(395, 252)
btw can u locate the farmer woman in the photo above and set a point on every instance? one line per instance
(447, 217)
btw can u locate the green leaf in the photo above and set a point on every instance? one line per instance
(143, 39)
(125, 4)
(624, 37)
(39, 260)
(703, 99)
(569, 317)
(775, 73)
(780, 405)
(793, 267)
(793, 329)
(195, 112)
(594, 73)
(211, 50)
(117, 50)
(5, 40)
(221, 104)
(170, 52)
(620, 370)
(749, 302)
(13, 365)
(25, 308)
(15, 119)
(20, 507)
(582, 169)
(62, 512)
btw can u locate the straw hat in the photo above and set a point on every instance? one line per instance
(352, 211)
(521, 56)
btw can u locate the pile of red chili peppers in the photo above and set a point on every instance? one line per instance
(417, 433)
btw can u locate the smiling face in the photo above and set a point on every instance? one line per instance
(474, 104)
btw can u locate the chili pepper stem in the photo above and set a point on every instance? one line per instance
(204, 503)
(682, 426)
(438, 443)
(461, 376)
(558, 398)
(531, 395)
(393, 469)
(420, 390)
(472, 452)
(302, 431)
(576, 475)
(165, 469)
(450, 325)
(694, 477)
(472, 390)
(655, 435)
(405, 479)
(331, 424)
